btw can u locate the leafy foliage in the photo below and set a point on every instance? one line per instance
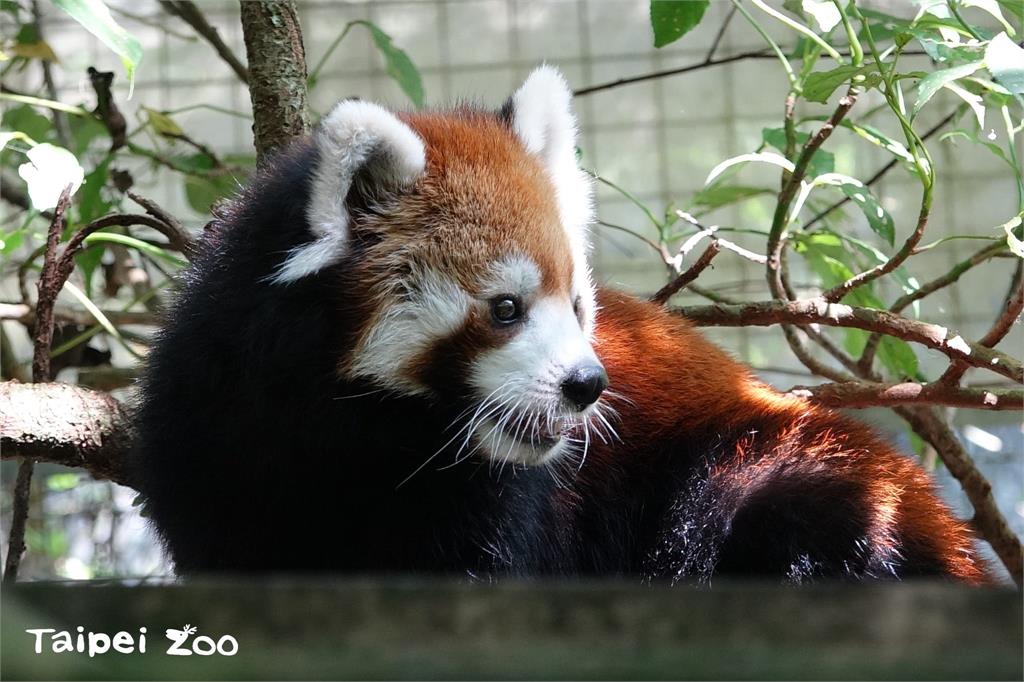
(672, 19)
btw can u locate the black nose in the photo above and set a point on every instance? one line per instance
(585, 384)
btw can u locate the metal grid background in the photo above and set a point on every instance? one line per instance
(658, 139)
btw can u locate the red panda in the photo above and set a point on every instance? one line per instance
(390, 356)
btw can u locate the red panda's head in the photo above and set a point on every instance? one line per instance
(463, 238)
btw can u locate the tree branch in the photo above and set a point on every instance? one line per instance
(67, 425)
(189, 12)
(820, 311)
(988, 520)
(753, 54)
(867, 357)
(682, 279)
(1012, 308)
(277, 73)
(23, 313)
(178, 237)
(776, 241)
(862, 394)
(50, 283)
(837, 292)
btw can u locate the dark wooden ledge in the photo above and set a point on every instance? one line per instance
(395, 629)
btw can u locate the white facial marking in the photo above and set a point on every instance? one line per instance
(524, 377)
(513, 275)
(352, 134)
(431, 309)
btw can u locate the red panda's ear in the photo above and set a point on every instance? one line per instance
(540, 114)
(358, 143)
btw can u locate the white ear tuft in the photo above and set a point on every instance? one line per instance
(542, 118)
(353, 137)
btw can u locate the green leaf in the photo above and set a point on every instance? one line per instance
(860, 194)
(10, 241)
(85, 129)
(822, 162)
(763, 157)
(828, 258)
(58, 482)
(931, 83)
(161, 123)
(975, 102)
(877, 137)
(94, 16)
(992, 7)
(825, 13)
(192, 163)
(8, 136)
(898, 357)
(37, 50)
(944, 51)
(820, 85)
(1015, 7)
(723, 195)
(91, 204)
(672, 19)
(202, 192)
(1005, 59)
(1015, 244)
(398, 64)
(27, 120)
(87, 261)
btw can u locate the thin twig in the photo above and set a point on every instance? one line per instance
(49, 285)
(682, 279)
(176, 234)
(867, 357)
(189, 12)
(721, 34)
(837, 292)
(776, 239)
(819, 311)
(754, 54)
(1012, 308)
(988, 520)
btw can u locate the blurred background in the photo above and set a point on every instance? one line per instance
(655, 139)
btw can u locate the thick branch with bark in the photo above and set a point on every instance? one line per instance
(862, 394)
(277, 73)
(67, 425)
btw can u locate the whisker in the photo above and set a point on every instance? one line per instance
(359, 395)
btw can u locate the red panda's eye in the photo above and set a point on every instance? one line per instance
(577, 308)
(506, 309)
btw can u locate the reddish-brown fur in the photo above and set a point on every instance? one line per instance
(484, 197)
(677, 382)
